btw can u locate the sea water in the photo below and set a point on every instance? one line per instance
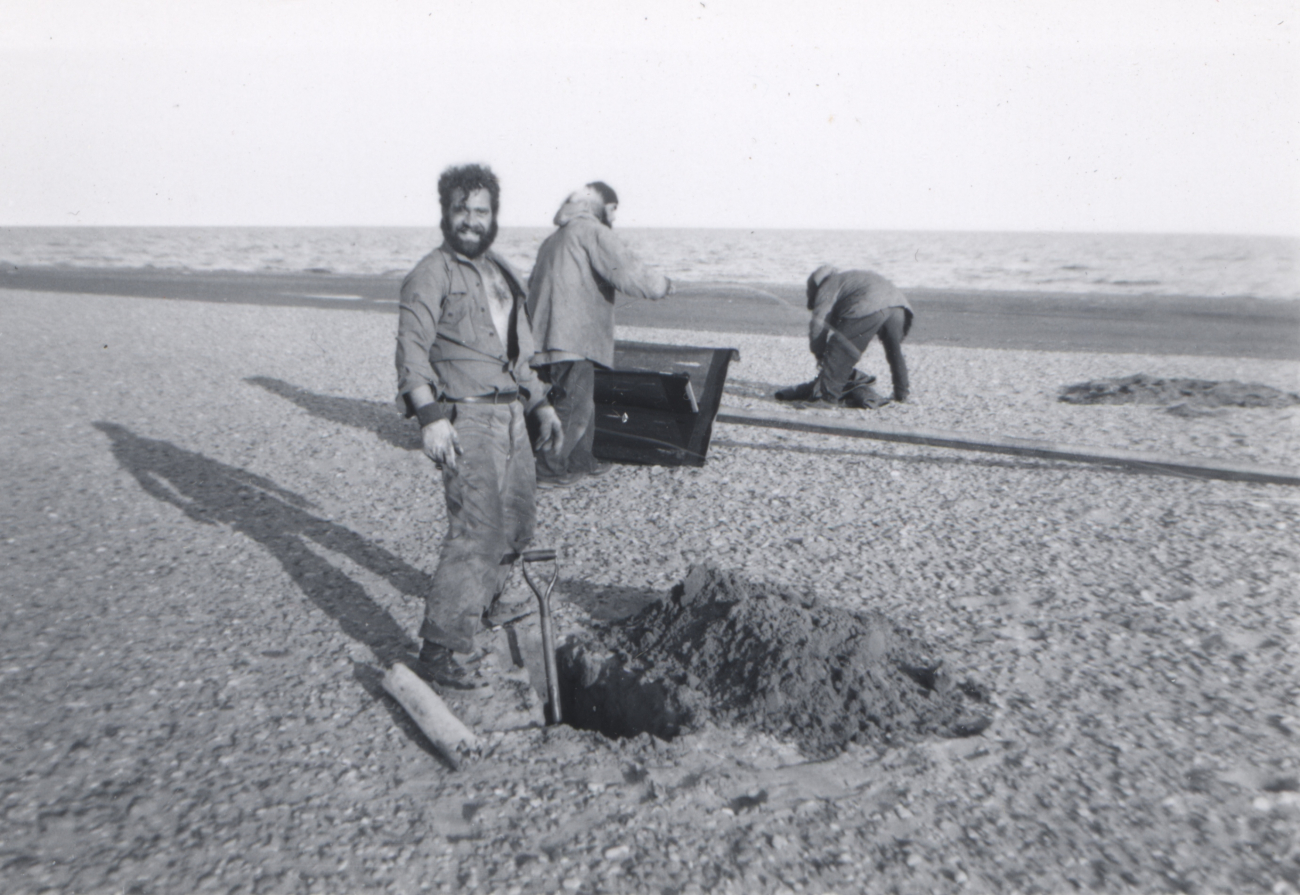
(1067, 263)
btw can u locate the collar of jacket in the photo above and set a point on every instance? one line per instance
(507, 271)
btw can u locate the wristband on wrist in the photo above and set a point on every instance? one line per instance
(430, 413)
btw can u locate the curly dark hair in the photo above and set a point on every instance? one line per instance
(468, 178)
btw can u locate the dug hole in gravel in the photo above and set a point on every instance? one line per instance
(729, 651)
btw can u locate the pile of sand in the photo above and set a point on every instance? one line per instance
(1144, 389)
(729, 651)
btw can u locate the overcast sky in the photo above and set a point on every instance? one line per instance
(1141, 115)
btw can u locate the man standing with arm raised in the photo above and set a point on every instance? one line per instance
(463, 352)
(571, 306)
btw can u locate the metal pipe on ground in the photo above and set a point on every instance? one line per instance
(1021, 447)
(447, 732)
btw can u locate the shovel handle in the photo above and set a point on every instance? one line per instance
(549, 663)
(548, 634)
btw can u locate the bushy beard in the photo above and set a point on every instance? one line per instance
(469, 251)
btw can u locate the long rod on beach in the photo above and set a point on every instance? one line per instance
(1020, 447)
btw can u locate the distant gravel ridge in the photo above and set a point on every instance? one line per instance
(1143, 389)
(217, 530)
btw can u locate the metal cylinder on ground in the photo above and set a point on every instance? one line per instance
(430, 713)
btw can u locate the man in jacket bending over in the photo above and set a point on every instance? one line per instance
(849, 308)
(463, 352)
(571, 305)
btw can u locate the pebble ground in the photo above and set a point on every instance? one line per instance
(215, 532)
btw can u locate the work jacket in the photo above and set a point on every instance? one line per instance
(571, 290)
(857, 293)
(447, 340)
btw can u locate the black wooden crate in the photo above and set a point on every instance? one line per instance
(658, 403)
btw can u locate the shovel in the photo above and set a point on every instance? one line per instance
(548, 636)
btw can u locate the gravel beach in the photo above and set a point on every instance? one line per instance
(216, 532)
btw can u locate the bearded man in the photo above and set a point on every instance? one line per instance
(571, 305)
(463, 352)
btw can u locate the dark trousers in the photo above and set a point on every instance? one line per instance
(841, 346)
(573, 389)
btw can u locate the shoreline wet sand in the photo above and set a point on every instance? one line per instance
(218, 530)
(1118, 324)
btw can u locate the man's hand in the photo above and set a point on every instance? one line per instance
(441, 445)
(817, 328)
(551, 432)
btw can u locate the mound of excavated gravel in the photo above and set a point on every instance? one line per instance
(727, 650)
(1144, 389)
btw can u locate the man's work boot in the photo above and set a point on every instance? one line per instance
(802, 392)
(864, 397)
(436, 665)
(553, 482)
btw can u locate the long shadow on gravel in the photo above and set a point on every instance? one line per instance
(384, 419)
(213, 493)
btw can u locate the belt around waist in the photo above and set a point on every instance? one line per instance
(495, 398)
